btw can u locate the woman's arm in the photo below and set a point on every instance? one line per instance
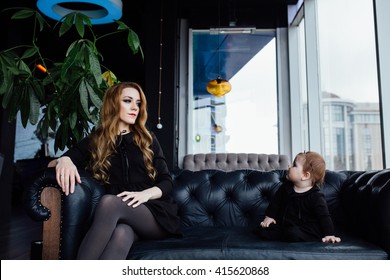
(67, 165)
(163, 180)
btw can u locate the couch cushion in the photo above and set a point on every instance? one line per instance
(207, 243)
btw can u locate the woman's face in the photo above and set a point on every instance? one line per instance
(130, 103)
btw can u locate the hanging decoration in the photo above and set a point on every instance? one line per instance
(107, 11)
(159, 124)
(219, 86)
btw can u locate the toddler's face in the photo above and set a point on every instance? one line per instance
(295, 169)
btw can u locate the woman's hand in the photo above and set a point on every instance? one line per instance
(137, 198)
(267, 221)
(331, 239)
(66, 174)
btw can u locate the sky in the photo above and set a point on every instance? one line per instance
(347, 48)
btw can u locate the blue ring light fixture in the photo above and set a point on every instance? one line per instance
(110, 11)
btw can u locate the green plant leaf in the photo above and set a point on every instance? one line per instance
(52, 123)
(6, 78)
(94, 65)
(42, 130)
(23, 67)
(71, 46)
(39, 89)
(42, 22)
(15, 102)
(133, 41)
(35, 106)
(24, 13)
(7, 95)
(70, 59)
(29, 52)
(67, 22)
(85, 19)
(58, 139)
(121, 25)
(84, 97)
(72, 119)
(25, 106)
(64, 135)
(93, 96)
(14, 70)
(79, 22)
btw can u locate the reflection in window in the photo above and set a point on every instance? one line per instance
(28, 145)
(349, 83)
(338, 113)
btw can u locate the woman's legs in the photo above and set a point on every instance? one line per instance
(120, 242)
(115, 227)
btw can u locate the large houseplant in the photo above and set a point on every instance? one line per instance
(62, 96)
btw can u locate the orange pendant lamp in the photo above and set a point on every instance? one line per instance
(218, 87)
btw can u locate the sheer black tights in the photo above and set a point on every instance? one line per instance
(115, 227)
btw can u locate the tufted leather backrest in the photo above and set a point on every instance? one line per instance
(240, 197)
(218, 198)
(232, 161)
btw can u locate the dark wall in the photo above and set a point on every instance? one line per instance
(7, 129)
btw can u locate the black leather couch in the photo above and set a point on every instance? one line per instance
(219, 211)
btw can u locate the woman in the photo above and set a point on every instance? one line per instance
(122, 154)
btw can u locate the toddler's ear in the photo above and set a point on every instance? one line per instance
(306, 176)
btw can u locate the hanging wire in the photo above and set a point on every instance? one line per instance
(159, 125)
(219, 43)
(219, 86)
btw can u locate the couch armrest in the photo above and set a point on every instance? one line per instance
(51, 234)
(380, 207)
(65, 218)
(367, 202)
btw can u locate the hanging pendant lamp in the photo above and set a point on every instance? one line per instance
(100, 11)
(219, 86)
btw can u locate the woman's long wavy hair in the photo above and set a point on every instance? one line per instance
(103, 139)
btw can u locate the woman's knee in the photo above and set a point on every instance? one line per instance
(108, 203)
(108, 200)
(123, 231)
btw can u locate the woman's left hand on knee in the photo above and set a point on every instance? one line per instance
(134, 199)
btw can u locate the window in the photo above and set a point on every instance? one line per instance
(349, 95)
(245, 119)
(339, 90)
(29, 146)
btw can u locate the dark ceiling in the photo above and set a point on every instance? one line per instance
(260, 13)
(204, 13)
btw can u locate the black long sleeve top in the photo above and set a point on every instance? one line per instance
(308, 210)
(128, 173)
